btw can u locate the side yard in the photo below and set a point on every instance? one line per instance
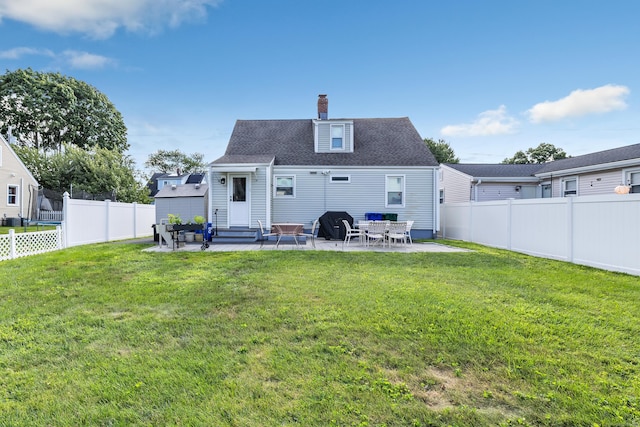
(107, 334)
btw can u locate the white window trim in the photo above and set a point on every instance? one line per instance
(346, 181)
(386, 190)
(626, 176)
(331, 127)
(17, 187)
(564, 186)
(275, 186)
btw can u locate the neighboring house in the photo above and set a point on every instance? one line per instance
(159, 180)
(485, 182)
(186, 200)
(18, 188)
(296, 170)
(590, 174)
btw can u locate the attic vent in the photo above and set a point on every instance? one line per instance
(198, 185)
(173, 186)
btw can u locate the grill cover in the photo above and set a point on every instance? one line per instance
(331, 226)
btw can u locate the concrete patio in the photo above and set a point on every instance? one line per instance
(321, 245)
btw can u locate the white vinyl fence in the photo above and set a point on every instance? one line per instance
(85, 222)
(598, 231)
(90, 221)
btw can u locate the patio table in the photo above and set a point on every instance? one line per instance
(287, 229)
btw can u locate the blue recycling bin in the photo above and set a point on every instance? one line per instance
(208, 232)
(373, 216)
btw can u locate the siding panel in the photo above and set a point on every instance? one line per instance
(315, 194)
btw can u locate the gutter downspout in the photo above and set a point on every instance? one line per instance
(21, 195)
(475, 190)
(436, 202)
(210, 191)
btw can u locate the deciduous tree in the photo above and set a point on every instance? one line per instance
(174, 160)
(48, 111)
(543, 153)
(96, 171)
(442, 151)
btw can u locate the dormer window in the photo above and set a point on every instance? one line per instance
(337, 137)
(333, 136)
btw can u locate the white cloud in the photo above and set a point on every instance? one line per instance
(101, 18)
(85, 60)
(491, 122)
(581, 102)
(72, 58)
(19, 52)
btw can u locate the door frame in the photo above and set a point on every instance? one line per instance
(230, 177)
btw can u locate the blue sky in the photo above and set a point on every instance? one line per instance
(489, 77)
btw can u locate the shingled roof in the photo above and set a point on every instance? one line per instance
(592, 159)
(496, 170)
(377, 142)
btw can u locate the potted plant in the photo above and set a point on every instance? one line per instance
(199, 220)
(175, 224)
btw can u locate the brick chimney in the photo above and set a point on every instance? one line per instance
(323, 107)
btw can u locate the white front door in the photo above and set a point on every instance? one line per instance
(238, 191)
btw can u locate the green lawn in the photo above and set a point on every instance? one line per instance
(108, 335)
(30, 228)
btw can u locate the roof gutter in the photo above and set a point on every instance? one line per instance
(590, 168)
(531, 179)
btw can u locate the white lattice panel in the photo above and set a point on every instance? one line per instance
(5, 247)
(36, 243)
(30, 243)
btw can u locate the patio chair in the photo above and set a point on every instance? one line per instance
(264, 236)
(397, 232)
(312, 235)
(408, 231)
(376, 232)
(351, 232)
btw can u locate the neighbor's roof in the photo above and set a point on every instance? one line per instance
(185, 190)
(592, 159)
(496, 170)
(377, 142)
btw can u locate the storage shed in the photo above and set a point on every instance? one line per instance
(187, 200)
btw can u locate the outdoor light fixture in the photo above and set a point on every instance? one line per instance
(223, 180)
(518, 188)
(622, 189)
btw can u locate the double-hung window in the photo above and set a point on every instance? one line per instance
(285, 186)
(395, 191)
(633, 181)
(12, 195)
(570, 187)
(337, 137)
